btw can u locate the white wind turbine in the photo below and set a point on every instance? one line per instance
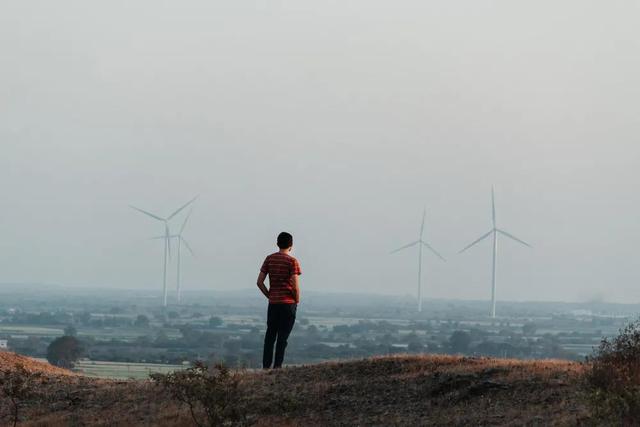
(167, 241)
(495, 231)
(180, 240)
(420, 242)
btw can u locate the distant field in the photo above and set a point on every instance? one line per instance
(117, 370)
(119, 333)
(31, 330)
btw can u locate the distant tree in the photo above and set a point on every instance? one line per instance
(215, 321)
(487, 348)
(459, 341)
(529, 328)
(415, 346)
(141, 321)
(412, 337)
(84, 317)
(232, 346)
(385, 339)
(70, 331)
(161, 339)
(64, 351)
(187, 331)
(143, 341)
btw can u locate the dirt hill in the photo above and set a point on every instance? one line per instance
(396, 390)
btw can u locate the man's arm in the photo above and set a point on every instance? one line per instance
(296, 288)
(261, 285)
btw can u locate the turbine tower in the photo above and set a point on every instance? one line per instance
(420, 242)
(167, 241)
(495, 231)
(181, 240)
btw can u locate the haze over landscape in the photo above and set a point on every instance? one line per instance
(361, 112)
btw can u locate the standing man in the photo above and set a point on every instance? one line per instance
(283, 294)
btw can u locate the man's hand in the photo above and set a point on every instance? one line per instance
(261, 277)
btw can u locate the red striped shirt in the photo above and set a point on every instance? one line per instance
(281, 268)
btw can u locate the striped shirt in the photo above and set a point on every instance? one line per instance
(281, 268)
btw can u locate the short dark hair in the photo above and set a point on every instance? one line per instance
(285, 240)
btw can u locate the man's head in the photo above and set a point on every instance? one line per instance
(285, 240)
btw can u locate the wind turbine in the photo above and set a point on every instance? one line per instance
(180, 240)
(495, 231)
(167, 241)
(420, 242)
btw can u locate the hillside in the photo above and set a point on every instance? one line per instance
(9, 360)
(395, 390)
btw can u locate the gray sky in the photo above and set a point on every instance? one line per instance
(335, 120)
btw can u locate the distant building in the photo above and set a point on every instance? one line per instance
(4, 345)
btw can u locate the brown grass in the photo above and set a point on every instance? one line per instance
(385, 391)
(9, 360)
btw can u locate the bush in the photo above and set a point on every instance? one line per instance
(613, 377)
(213, 396)
(459, 342)
(17, 385)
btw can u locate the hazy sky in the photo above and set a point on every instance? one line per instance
(335, 120)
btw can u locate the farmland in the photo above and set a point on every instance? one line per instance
(119, 370)
(126, 335)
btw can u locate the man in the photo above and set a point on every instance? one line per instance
(284, 295)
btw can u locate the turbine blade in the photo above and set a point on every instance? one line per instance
(184, 224)
(428, 246)
(424, 215)
(405, 247)
(188, 246)
(170, 237)
(182, 207)
(147, 213)
(511, 236)
(484, 236)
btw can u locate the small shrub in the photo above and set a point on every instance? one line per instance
(213, 395)
(613, 377)
(17, 385)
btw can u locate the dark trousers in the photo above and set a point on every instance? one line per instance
(280, 320)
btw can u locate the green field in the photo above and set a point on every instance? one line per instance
(31, 330)
(119, 370)
(104, 333)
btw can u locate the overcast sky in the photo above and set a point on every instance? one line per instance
(335, 120)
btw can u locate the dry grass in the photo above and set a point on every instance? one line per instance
(397, 390)
(9, 360)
